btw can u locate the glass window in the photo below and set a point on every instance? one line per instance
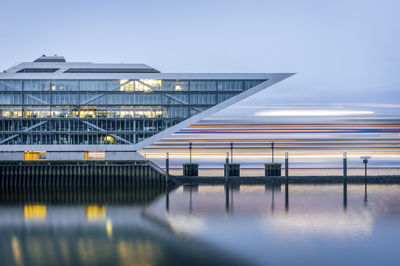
(145, 98)
(10, 85)
(203, 85)
(175, 98)
(230, 85)
(175, 85)
(36, 85)
(65, 85)
(11, 111)
(113, 85)
(225, 96)
(65, 98)
(251, 83)
(126, 85)
(36, 111)
(148, 85)
(178, 112)
(149, 112)
(202, 98)
(10, 98)
(93, 85)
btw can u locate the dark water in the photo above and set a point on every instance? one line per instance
(204, 225)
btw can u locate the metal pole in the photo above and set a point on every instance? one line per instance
(365, 163)
(190, 152)
(286, 164)
(344, 180)
(227, 165)
(287, 195)
(227, 198)
(167, 167)
(365, 169)
(272, 148)
(231, 152)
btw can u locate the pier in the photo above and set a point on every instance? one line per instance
(89, 174)
(213, 180)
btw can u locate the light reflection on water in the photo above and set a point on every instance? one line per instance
(107, 228)
(298, 224)
(205, 225)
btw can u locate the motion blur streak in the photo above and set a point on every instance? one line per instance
(308, 139)
(312, 113)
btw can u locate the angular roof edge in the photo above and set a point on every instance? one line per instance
(274, 78)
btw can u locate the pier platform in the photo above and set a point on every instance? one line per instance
(212, 180)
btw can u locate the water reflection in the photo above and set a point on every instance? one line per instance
(203, 225)
(80, 194)
(344, 194)
(231, 189)
(320, 224)
(47, 226)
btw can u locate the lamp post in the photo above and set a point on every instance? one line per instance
(286, 165)
(365, 162)
(272, 153)
(231, 152)
(167, 167)
(190, 152)
(227, 165)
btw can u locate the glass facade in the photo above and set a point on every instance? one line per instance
(104, 111)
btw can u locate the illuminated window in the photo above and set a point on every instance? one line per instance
(176, 85)
(108, 140)
(34, 155)
(149, 112)
(35, 212)
(11, 112)
(95, 212)
(148, 85)
(95, 155)
(128, 87)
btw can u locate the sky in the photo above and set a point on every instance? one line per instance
(342, 51)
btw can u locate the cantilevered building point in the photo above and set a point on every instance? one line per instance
(52, 109)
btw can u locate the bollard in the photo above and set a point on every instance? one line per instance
(273, 169)
(232, 169)
(190, 169)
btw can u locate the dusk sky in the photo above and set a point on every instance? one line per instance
(343, 51)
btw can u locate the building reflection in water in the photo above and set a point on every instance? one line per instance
(47, 227)
(136, 226)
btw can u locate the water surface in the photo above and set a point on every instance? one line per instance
(202, 225)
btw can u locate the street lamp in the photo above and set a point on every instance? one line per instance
(272, 151)
(190, 152)
(365, 162)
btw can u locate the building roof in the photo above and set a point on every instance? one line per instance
(58, 64)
